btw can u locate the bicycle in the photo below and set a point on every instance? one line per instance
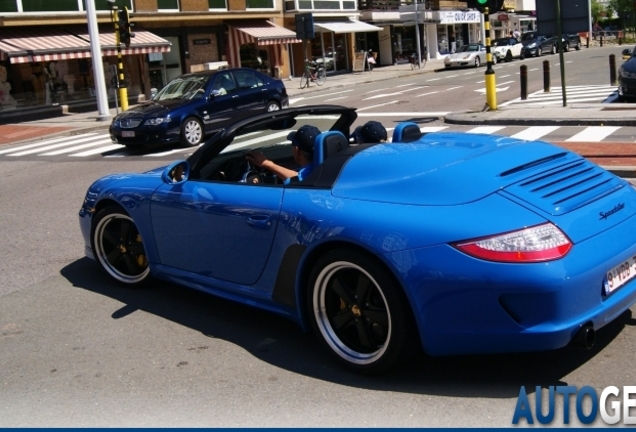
(319, 77)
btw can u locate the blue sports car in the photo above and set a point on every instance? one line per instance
(456, 243)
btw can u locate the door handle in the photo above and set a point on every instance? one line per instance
(260, 221)
(234, 97)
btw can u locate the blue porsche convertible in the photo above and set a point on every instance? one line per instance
(456, 243)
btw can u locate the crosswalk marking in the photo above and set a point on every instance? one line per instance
(535, 132)
(92, 144)
(589, 93)
(593, 134)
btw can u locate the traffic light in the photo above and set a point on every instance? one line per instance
(492, 5)
(125, 31)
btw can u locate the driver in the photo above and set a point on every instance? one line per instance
(303, 151)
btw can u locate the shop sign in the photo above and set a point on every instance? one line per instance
(502, 17)
(458, 17)
(201, 41)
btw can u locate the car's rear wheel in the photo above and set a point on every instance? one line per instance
(272, 106)
(539, 52)
(118, 247)
(553, 50)
(522, 55)
(578, 46)
(358, 311)
(509, 56)
(478, 63)
(191, 132)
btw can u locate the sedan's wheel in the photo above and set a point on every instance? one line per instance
(272, 106)
(539, 52)
(191, 132)
(553, 50)
(358, 310)
(477, 62)
(118, 246)
(508, 56)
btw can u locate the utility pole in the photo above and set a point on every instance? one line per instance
(98, 66)
(121, 21)
(417, 36)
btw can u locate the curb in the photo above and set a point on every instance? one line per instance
(485, 119)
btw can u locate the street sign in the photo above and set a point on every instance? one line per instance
(575, 16)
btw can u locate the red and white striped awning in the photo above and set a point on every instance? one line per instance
(41, 44)
(262, 32)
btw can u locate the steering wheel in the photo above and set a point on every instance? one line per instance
(251, 175)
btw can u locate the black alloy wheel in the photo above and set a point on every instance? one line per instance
(359, 311)
(118, 247)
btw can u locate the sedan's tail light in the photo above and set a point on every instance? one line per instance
(535, 244)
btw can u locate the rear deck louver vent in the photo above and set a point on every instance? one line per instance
(560, 185)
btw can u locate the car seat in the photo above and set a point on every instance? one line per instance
(406, 132)
(327, 144)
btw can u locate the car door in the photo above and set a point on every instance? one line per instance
(222, 230)
(222, 102)
(253, 92)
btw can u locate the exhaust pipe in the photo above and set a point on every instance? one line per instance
(585, 337)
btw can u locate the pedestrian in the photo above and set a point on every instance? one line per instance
(453, 43)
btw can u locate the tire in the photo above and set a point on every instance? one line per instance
(272, 106)
(553, 50)
(566, 47)
(477, 62)
(509, 56)
(539, 52)
(304, 80)
(578, 46)
(522, 55)
(358, 311)
(118, 247)
(495, 60)
(191, 132)
(321, 76)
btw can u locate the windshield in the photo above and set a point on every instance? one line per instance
(467, 48)
(183, 88)
(528, 36)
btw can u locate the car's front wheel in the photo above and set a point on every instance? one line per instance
(272, 106)
(553, 50)
(478, 63)
(191, 132)
(539, 52)
(509, 56)
(118, 246)
(358, 310)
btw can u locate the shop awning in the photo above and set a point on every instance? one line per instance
(37, 44)
(262, 32)
(346, 27)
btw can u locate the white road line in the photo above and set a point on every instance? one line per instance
(504, 83)
(593, 134)
(426, 94)
(327, 94)
(430, 129)
(453, 88)
(505, 76)
(338, 98)
(377, 90)
(41, 143)
(405, 114)
(486, 129)
(405, 85)
(434, 79)
(452, 76)
(534, 132)
(76, 148)
(51, 147)
(98, 151)
(166, 153)
(376, 106)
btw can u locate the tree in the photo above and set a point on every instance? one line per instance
(597, 11)
(623, 8)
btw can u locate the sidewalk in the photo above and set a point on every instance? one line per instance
(619, 157)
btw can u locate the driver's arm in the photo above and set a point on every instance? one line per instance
(259, 159)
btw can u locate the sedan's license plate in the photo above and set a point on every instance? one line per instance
(128, 134)
(620, 275)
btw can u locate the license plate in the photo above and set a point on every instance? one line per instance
(128, 134)
(620, 275)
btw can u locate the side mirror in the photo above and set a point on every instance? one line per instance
(215, 93)
(176, 173)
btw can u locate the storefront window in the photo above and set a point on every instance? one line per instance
(255, 57)
(49, 6)
(217, 4)
(330, 48)
(8, 6)
(260, 4)
(168, 4)
(404, 44)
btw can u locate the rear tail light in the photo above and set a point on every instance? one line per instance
(535, 244)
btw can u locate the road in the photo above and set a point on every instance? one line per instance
(78, 350)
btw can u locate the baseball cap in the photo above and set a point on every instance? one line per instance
(304, 137)
(373, 131)
(357, 135)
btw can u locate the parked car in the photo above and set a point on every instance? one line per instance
(468, 55)
(195, 105)
(627, 78)
(382, 249)
(572, 41)
(505, 49)
(534, 44)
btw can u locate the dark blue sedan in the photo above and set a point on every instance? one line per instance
(195, 105)
(456, 243)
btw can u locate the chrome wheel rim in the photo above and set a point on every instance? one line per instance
(192, 132)
(352, 313)
(120, 249)
(273, 107)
